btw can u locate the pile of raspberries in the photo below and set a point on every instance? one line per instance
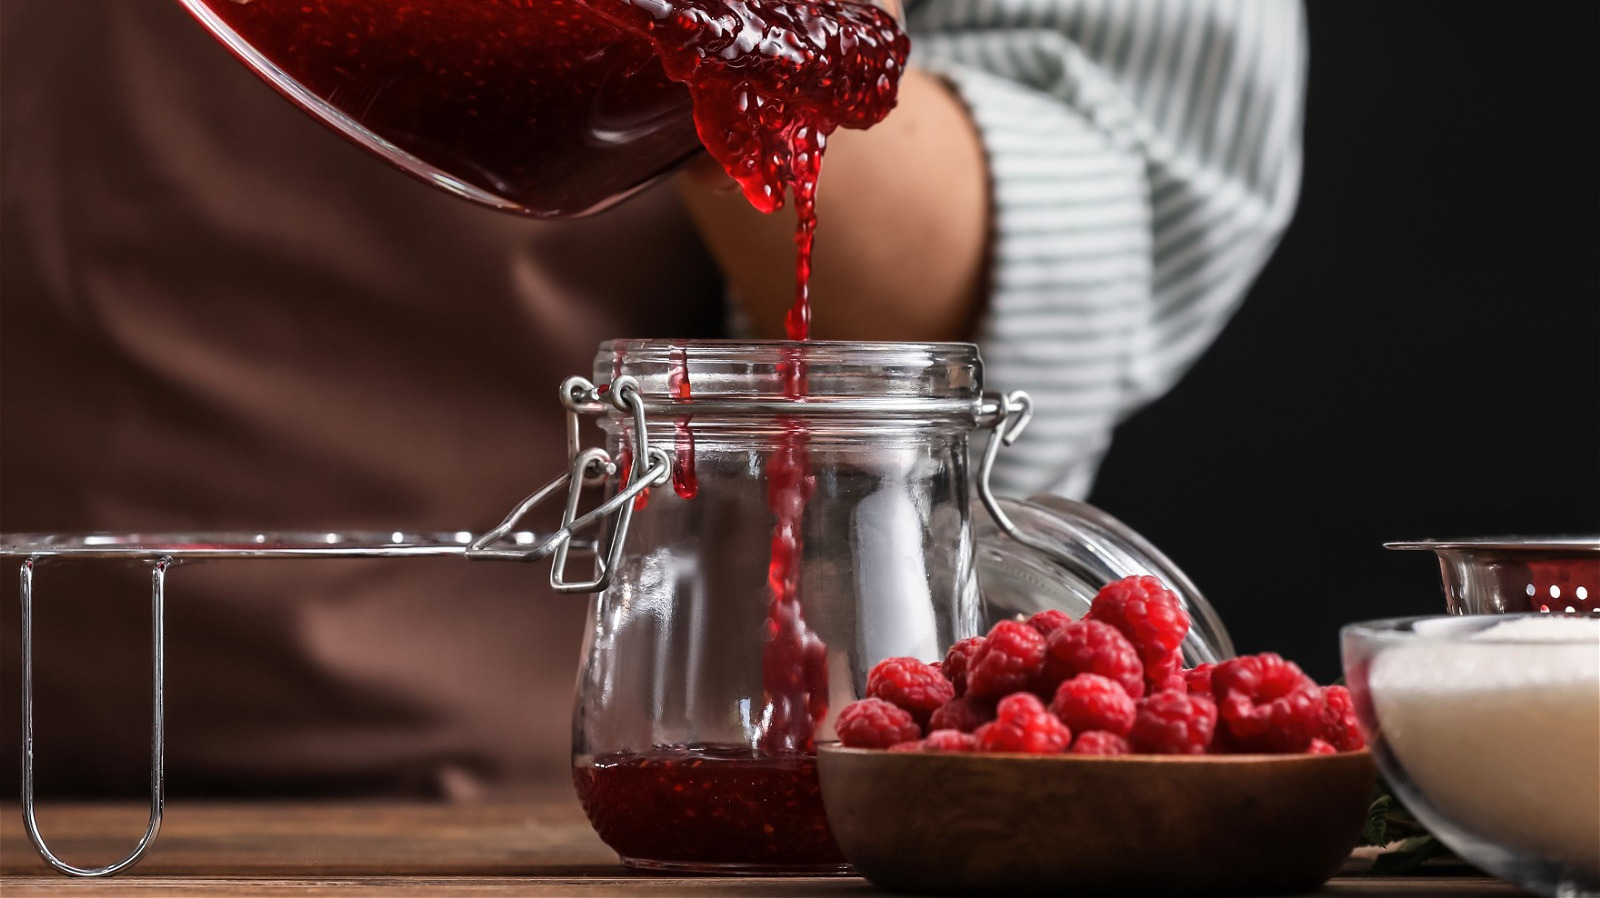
(1112, 683)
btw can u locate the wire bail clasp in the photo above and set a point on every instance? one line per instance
(652, 466)
(1006, 417)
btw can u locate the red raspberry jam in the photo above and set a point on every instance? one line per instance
(541, 104)
(561, 107)
(713, 808)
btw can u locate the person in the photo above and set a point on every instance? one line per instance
(219, 315)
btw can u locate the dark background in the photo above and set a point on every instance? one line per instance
(1421, 358)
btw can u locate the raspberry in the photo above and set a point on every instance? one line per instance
(949, 740)
(1318, 747)
(958, 660)
(1049, 621)
(1166, 675)
(963, 714)
(1023, 724)
(1100, 742)
(911, 684)
(1146, 612)
(1284, 724)
(1092, 702)
(1091, 646)
(1339, 727)
(1174, 723)
(1260, 677)
(914, 745)
(875, 723)
(1008, 660)
(1198, 680)
(1266, 703)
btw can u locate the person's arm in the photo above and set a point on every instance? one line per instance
(1144, 160)
(902, 232)
(1140, 162)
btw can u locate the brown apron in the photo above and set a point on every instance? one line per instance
(215, 314)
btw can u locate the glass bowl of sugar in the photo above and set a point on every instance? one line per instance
(1488, 728)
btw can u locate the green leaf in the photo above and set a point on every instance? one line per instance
(1389, 821)
(1407, 856)
(1376, 829)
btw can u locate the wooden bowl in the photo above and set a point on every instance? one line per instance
(1070, 824)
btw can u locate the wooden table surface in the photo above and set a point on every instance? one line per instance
(541, 846)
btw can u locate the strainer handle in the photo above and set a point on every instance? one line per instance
(157, 725)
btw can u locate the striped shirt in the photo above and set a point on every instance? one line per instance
(1144, 158)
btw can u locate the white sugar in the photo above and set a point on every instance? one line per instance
(1502, 731)
(1545, 628)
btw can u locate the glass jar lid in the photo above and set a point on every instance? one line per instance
(1065, 553)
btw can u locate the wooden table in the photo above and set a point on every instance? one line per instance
(541, 846)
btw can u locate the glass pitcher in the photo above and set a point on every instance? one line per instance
(540, 107)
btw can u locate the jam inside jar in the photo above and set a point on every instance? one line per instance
(826, 527)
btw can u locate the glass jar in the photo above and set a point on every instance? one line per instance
(816, 520)
(811, 519)
(540, 107)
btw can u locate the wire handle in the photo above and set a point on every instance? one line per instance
(1007, 417)
(586, 466)
(157, 726)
